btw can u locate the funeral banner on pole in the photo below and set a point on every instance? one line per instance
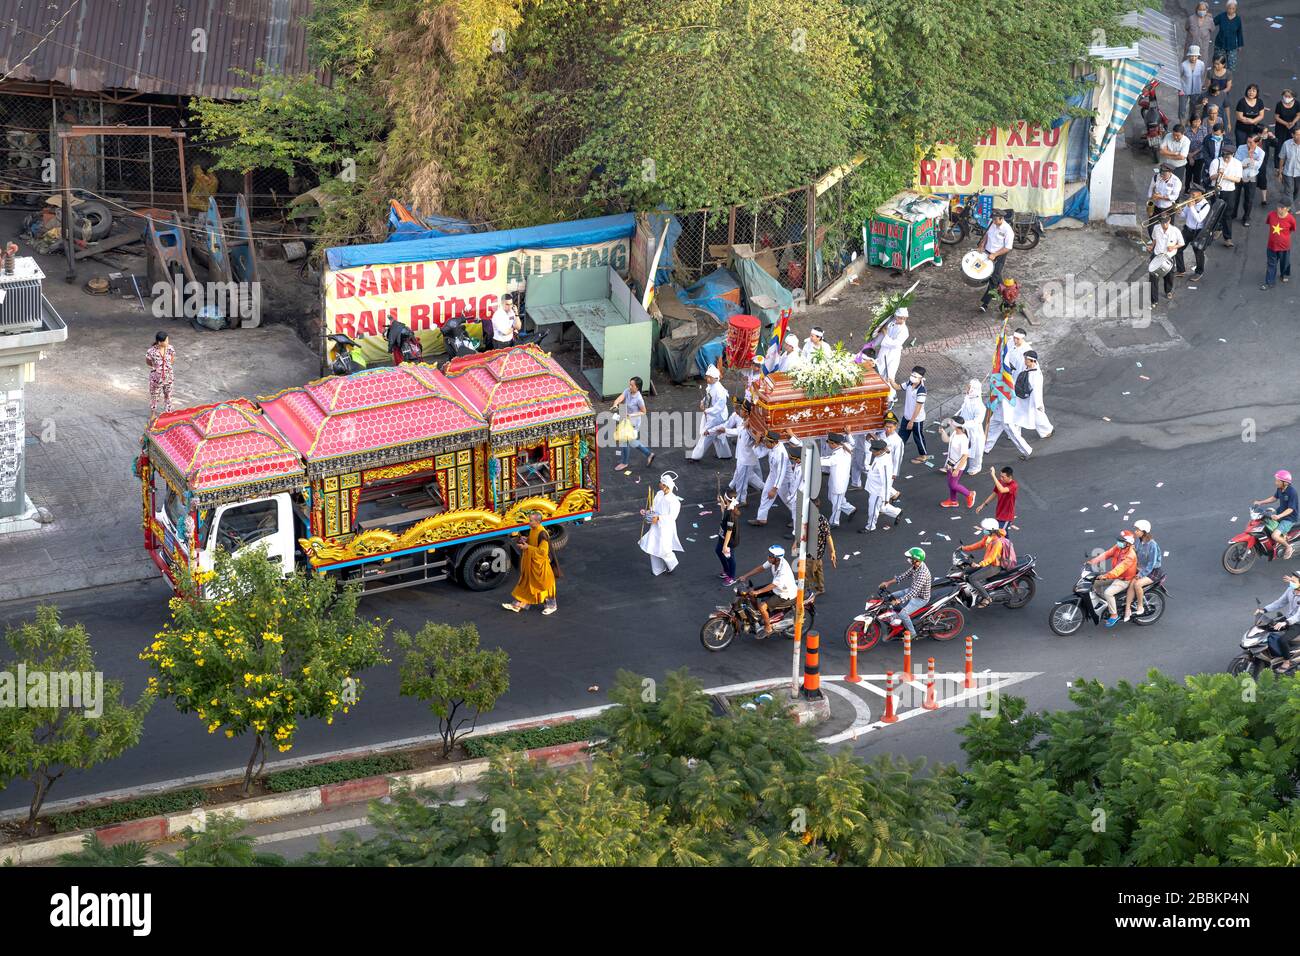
(1022, 168)
(361, 301)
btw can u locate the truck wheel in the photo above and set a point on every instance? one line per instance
(559, 536)
(484, 566)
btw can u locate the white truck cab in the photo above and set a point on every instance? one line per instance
(265, 523)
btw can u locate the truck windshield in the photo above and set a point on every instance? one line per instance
(174, 508)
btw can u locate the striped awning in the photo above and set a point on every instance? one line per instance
(1121, 83)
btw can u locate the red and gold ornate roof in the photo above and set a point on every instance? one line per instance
(521, 392)
(214, 450)
(374, 417)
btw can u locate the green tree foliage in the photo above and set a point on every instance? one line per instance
(1158, 774)
(221, 843)
(248, 651)
(94, 853)
(460, 681)
(679, 786)
(715, 101)
(43, 738)
(516, 112)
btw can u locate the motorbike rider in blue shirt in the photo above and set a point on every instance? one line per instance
(1289, 605)
(1148, 559)
(1288, 510)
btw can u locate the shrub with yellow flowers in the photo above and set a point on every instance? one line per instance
(251, 652)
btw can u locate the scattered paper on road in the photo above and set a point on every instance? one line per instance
(1104, 418)
(1082, 510)
(1089, 531)
(1160, 484)
(1233, 518)
(1144, 378)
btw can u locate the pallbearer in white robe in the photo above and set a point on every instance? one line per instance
(877, 482)
(749, 456)
(661, 540)
(972, 410)
(894, 450)
(840, 462)
(714, 406)
(889, 354)
(816, 343)
(779, 472)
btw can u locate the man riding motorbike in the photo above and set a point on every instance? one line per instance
(1287, 508)
(917, 594)
(1122, 571)
(782, 586)
(1148, 561)
(1289, 604)
(989, 564)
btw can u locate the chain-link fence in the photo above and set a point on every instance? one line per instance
(136, 171)
(838, 235)
(776, 228)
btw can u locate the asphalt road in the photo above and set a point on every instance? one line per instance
(1212, 421)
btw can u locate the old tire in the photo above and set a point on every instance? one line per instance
(952, 232)
(484, 566)
(97, 215)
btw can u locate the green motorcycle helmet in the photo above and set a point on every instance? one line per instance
(915, 554)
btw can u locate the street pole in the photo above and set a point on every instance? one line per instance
(805, 486)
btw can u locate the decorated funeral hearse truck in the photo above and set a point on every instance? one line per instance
(391, 477)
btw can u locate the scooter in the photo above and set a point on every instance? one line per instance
(939, 620)
(1157, 122)
(1243, 549)
(1012, 587)
(743, 617)
(1026, 228)
(1085, 604)
(1256, 655)
(343, 355)
(459, 342)
(402, 343)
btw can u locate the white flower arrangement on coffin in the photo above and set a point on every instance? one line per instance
(821, 375)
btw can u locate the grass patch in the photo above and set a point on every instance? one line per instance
(137, 809)
(339, 771)
(534, 737)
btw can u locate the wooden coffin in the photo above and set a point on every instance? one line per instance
(782, 407)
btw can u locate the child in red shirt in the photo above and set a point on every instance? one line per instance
(1004, 489)
(1281, 224)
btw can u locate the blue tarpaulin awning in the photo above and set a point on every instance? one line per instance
(555, 236)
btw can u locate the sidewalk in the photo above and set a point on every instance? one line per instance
(91, 401)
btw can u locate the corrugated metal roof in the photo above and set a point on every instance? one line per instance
(1159, 44)
(150, 45)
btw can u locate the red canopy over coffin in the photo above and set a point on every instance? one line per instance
(219, 448)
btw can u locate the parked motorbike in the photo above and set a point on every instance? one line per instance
(343, 355)
(1245, 548)
(1085, 604)
(939, 620)
(961, 221)
(1157, 121)
(1256, 655)
(743, 617)
(402, 343)
(455, 334)
(1012, 587)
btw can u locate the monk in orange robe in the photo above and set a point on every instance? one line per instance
(536, 576)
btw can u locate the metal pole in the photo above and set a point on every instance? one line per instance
(805, 483)
(67, 211)
(149, 120)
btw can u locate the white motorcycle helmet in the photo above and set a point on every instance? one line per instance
(1142, 525)
(989, 525)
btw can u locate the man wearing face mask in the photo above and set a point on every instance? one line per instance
(1289, 604)
(1286, 120)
